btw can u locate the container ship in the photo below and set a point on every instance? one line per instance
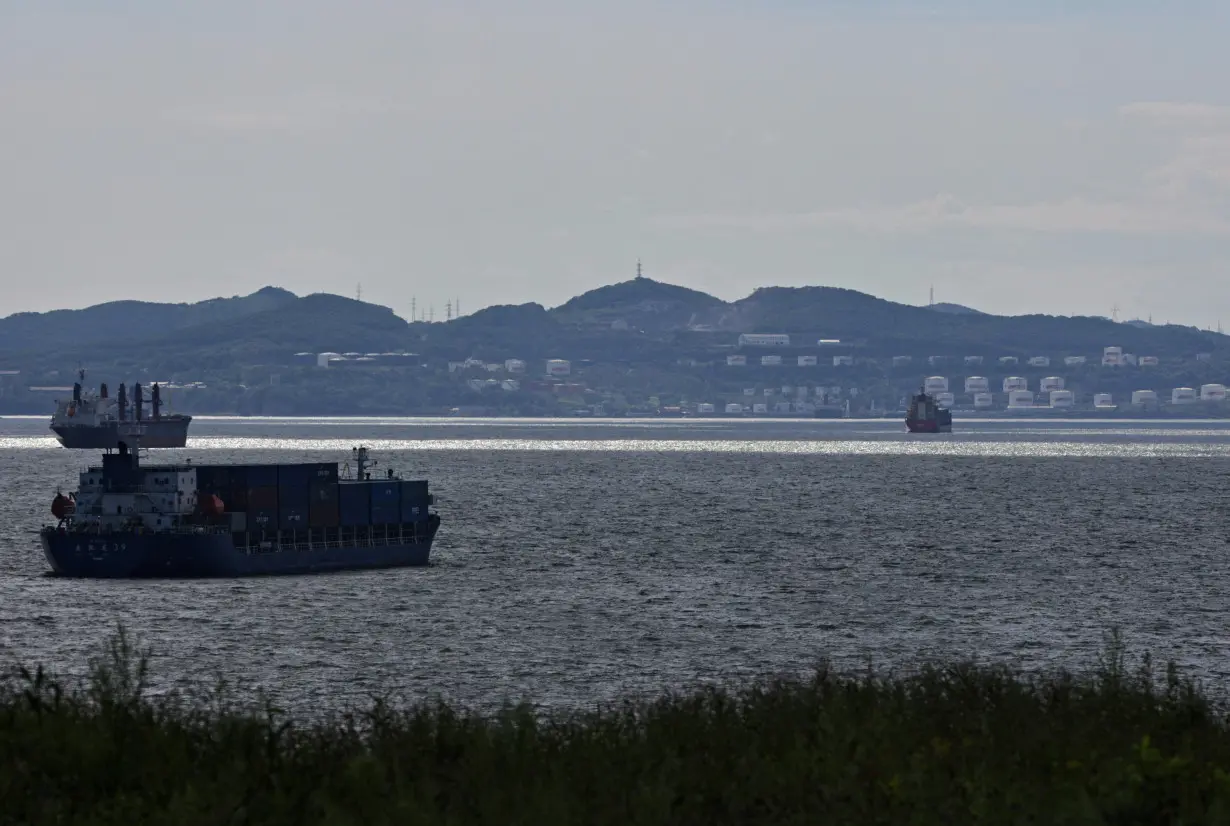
(926, 416)
(129, 520)
(93, 421)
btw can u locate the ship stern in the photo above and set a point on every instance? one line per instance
(138, 556)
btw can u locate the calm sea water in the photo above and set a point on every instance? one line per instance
(578, 561)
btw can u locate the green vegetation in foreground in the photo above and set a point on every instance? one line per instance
(948, 745)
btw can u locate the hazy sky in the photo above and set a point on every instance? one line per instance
(1032, 160)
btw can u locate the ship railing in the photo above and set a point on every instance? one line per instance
(368, 541)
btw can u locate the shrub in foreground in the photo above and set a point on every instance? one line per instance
(946, 745)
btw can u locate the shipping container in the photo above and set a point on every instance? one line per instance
(386, 492)
(355, 502)
(322, 491)
(237, 499)
(302, 475)
(323, 508)
(323, 515)
(413, 491)
(292, 517)
(263, 519)
(262, 499)
(385, 513)
(414, 511)
(262, 476)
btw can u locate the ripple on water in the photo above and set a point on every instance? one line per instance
(572, 569)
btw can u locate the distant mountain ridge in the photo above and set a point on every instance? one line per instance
(955, 309)
(117, 321)
(635, 322)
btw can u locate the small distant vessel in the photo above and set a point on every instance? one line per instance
(926, 416)
(187, 520)
(91, 421)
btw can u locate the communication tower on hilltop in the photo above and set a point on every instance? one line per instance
(448, 311)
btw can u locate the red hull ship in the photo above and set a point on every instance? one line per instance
(926, 416)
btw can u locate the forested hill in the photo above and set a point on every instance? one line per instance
(639, 321)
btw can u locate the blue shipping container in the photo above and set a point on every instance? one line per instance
(386, 492)
(356, 504)
(414, 511)
(413, 490)
(291, 518)
(302, 475)
(385, 513)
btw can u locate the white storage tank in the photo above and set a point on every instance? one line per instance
(1144, 397)
(1103, 400)
(807, 361)
(945, 399)
(704, 408)
(843, 361)
(1051, 383)
(1012, 383)
(977, 384)
(973, 360)
(1039, 361)
(1062, 398)
(1020, 398)
(1006, 360)
(1213, 392)
(1147, 361)
(558, 367)
(764, 340)
(736, 361)
(935, 384)
(983, 400)
(770, 361)
(1182, 395)
(514, 366)
(734, 408)
(1074, 361)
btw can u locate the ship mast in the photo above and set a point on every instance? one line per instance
(361, 461)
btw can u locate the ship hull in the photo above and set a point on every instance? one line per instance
(928, 427)
(156, 433)
(126, 555)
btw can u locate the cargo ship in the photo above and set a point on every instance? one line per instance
(189, 520)
(926, 416)
(92, 421)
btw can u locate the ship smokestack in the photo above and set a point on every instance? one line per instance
(102, 390)
(121, 401)
(138, 402)
(155, 402)
(77, 392)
